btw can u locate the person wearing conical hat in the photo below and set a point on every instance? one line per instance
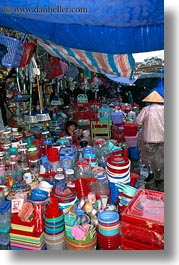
(151, 119)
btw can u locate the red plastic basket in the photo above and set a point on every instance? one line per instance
(118, 135)
(130, 129)
(27, 53)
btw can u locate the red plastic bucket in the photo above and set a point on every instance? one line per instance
(52, 154)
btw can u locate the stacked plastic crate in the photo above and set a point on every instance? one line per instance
(142, 222)
(85, 112)
(23, 235)
(117, 129)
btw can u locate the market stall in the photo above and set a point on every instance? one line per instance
(88, 192)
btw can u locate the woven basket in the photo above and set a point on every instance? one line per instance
(15, 50)
(72, 244)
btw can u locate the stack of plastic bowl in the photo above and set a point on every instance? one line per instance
(54, 228)
(108, 232)
(117, 170)
(66, 197)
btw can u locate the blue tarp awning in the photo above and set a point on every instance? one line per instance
(108, 26)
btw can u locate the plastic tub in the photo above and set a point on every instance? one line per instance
(108, 242)
(72, 244)
(134, 153)
(5, 214)
(130, 129)
(131, 141)
(117, 117)
(2, 197)
(4, 237)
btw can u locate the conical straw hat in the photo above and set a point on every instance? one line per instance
(154, 97)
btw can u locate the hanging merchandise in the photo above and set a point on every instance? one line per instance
(21, 95)
(15, 50)
(29, 118)
(52, 66)
(64, 67)
(72, 72)
(87, 73)
(27, 53)
(42, 115)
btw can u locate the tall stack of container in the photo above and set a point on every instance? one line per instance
(117, 170)
(131, 139)
(23, 235)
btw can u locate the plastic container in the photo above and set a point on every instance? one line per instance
(67, 162)
(72, 244)
(5, 216)
(32, 153)
(5, 245)
(83, 186)
(52, 154)
(127, 244)
(131, 141)
(146, 210)
(117, 117)
(101, 186)
(134, 153)
(69, 175)
(142, 235)
(130, 129)
(2, 197)
(4, 237)
(108, 242)
(59, 182)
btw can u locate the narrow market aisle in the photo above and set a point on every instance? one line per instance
(154, 184)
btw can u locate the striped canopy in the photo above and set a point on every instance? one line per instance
(115, 64)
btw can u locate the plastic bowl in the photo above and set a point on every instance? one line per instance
(108, 232)
(37, 194)
(108, 216)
